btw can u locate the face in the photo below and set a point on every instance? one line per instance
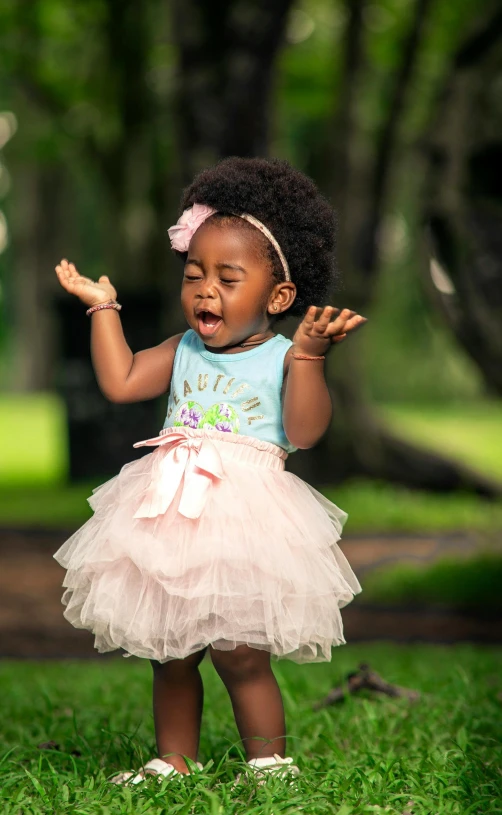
(228, 293)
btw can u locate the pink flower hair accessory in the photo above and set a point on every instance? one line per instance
(183, 230)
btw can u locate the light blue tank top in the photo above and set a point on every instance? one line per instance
(233, 393)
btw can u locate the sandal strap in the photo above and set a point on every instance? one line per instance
(121, 778)
(161, 767)
(270, 761)
(155, 767)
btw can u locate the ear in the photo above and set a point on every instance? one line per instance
(281, 298)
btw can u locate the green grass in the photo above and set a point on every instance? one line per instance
(32, 439)
(366, 755)
(379, 507)
(473, 583)
(470, 432)
(62, 505)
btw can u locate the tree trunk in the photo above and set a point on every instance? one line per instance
(227, 54)
(463, 207)
(35, 232)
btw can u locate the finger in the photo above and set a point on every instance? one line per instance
(338, 338)
(64, 264)
(104, 279)
(323, 320)
(337, 326)
(355, 322)
(64, 280)
(61, 273)
(309, 318)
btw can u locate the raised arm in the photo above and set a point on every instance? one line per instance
(122, 376)
(306, 402)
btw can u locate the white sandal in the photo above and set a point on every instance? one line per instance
(267, 766)
(156, 767)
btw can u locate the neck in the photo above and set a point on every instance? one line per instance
(257, 339)
(249, 342)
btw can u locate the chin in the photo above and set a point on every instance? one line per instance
(216, 341)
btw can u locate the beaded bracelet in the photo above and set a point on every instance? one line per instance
(100, 306)
(304, 356)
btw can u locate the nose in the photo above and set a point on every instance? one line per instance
(206, 288)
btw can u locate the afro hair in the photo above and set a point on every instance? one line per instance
(293, 209)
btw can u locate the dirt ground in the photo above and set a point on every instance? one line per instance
(32, 623)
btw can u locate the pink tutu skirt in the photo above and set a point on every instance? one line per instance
(208, 540)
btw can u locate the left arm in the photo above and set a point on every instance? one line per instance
(307, 405)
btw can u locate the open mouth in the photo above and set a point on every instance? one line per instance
(208, 323)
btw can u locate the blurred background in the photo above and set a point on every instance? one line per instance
(394, 107)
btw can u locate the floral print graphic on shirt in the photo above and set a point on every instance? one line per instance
(221, 417)
(189, 415)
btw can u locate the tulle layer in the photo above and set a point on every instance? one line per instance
(259, 565)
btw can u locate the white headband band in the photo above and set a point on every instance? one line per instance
(193, 217)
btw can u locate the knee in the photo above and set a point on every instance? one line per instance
(178, 667)
(241, 664)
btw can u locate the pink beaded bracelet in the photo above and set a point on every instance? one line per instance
(304, 356)
(100, 306)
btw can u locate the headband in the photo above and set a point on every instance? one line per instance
(181, 233)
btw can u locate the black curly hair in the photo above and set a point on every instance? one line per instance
(293, 209)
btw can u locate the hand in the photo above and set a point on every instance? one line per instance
(88, 291)
(318, 330)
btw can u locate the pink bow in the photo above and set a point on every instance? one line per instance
(195, 462)
(182, 231)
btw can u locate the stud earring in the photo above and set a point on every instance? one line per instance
(275, 308)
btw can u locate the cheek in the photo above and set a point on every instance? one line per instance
(241, 302)
(186, 299)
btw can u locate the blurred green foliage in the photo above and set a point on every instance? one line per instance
(463, 584)
(59, 77)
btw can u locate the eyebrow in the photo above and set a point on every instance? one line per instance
(230, 266)
(233, 266)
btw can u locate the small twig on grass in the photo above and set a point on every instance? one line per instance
(365, 679)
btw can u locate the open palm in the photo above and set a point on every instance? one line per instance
(90, 292)
(322, 327)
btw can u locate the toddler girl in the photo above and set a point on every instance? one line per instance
(208, 544)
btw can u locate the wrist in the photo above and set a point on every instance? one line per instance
(308, 358)
(302, 350)
(101, 301)
(111, 305)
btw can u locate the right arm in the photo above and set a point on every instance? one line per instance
(122, 376)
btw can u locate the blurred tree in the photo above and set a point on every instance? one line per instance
(358, 443)
(463, 199)
(92, 148)
(227, 53)
(93, 143)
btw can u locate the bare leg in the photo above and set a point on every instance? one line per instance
(256, 699)
(177, 708)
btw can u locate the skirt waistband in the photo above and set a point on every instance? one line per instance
(246, 449)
